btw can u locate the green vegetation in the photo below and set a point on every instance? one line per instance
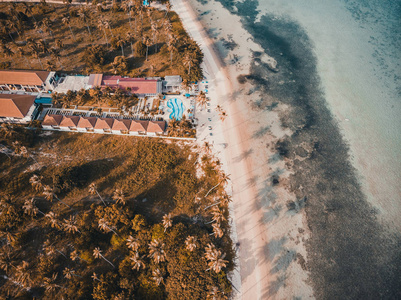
(86, 216)
(124, 38)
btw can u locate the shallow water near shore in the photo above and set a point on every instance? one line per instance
(338, 75)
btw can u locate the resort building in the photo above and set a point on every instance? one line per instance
(17, 108)
(156, 127)
(52, 122)
(121, 126)
(86, 124)
(27, 81)
(104, 125)
(138, 127)
(69, 123)
(142, 87)
(172, 83)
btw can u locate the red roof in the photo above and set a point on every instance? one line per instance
(156, 126)
(139, 126)
(86, 122)
(23, 77)
(121, 124)
(15, 106)
(69, 121)
(137, 85)
(52, 120)
(104, 123)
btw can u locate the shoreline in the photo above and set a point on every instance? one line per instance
(268, 252)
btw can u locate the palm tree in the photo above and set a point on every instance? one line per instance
(74, 256)
(167, 222)
(104, 226)
(156, 251)
(215, 258)
(172, 48)
(94, 277)
(68, 273)
(50, 66)
(36, 182)
(23, 274)
(136, 261)
(70, 225)
(146, 41)
(190, 243)
(157, 276)
(6, 261)
(59, 44)
(46, 23)
(215, 294)
(50, 284)
(67, 21)
(50, 194)
(85, 18)
(28, 10)
(107, 24)
(217, 232)
(101, 25)
(30, 207)
(97, 253)
(132, 243)
(120, 43)
(54, 222)
(93, 191)
(55, 53)
(129, 37)
(218, 215)
(119, 196)
(154, 29)
(21, 53)
(202, 99)
(188, 60)
(6, 51)
(35, 53)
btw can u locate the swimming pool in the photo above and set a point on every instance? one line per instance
(177, 108)
(43, 100)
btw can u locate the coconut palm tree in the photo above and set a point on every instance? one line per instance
(67, 21)
(23, 274)
(172, 48)
(101, 25)
(157, 276)
(74, 255)
(97, 253)
(30, 208)
(68, 273)
(215, 258)
(50, 194)
(50, 284)
(218, 215)
(190, 243)
(50, 66)
(132, 243)
(21, 53)
(130, 37)
(202, 99)
(6, 260)
(7, 52)
(104, 226)
(215, 294)
(46, 24)
(59, 44)
(94, 277)
(121, 43)
(36, 182)
(167, 222)
(70, 225)
(119, 196)
(93, 191)
(107, 25)
(84, 15)
(147, 42)
(35, 53)
(54, 222)
(136, 261)
(156, 251)
(188, 60)
(217, 231)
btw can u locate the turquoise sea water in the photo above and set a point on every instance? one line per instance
(339, 75)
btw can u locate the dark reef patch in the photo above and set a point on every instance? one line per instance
(351, 254)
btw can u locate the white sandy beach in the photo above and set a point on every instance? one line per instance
(269, 238)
